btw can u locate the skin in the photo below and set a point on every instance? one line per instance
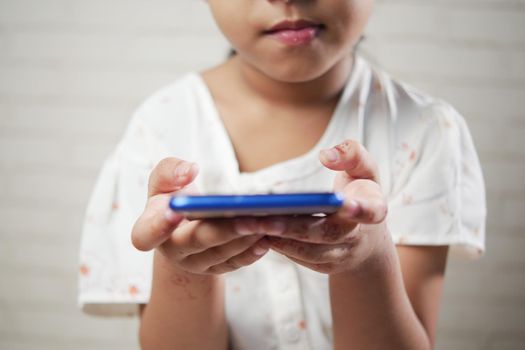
(382, 296)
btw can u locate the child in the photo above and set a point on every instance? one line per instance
(294, 110)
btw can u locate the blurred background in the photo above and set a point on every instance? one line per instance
(72, 72)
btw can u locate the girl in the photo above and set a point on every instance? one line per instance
(295, 110)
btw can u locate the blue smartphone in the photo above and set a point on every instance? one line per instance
(228, 206)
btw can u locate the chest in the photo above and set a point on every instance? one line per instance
(263, 138)
(275, 304)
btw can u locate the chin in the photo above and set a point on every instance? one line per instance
(294, 72)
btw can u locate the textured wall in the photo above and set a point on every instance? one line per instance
(71, 73)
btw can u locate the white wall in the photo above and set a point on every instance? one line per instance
(71, 73)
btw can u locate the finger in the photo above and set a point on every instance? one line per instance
(247, 257)
(319, 267)
(201, 262)
(171, 174)
(311, 252)
(352, 158)
(199, 235)
(325, 230)
(363, 203)
(365, 211)
(155, 225)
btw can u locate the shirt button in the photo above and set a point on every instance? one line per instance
(291, 333)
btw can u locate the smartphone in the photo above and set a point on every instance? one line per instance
(228, 206)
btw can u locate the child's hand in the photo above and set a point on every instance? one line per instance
(199, 246)
(344, 240)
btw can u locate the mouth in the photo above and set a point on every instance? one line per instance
(293, 25)
(295, 33)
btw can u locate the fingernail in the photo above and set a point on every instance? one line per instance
(331, 155)
(275, 227)
(353, 208)
(259, 251)
(172, 216)
(193, 168)
(183, 169)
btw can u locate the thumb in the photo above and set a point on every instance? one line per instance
(155, 225)
(170, 175)
(351, 158)
(157, 221)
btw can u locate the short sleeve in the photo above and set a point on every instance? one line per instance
(114, 277)
(438, 196)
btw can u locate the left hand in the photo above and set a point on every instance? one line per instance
(344, 240)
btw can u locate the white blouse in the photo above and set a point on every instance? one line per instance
(429, 171)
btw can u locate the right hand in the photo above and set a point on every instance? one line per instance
(211, 246)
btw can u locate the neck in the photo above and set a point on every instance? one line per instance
(318, 91)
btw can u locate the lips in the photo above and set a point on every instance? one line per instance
(295, 33)
(293, 25)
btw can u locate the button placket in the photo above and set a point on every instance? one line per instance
(291, 333)
(287, 307)
(284, 286)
